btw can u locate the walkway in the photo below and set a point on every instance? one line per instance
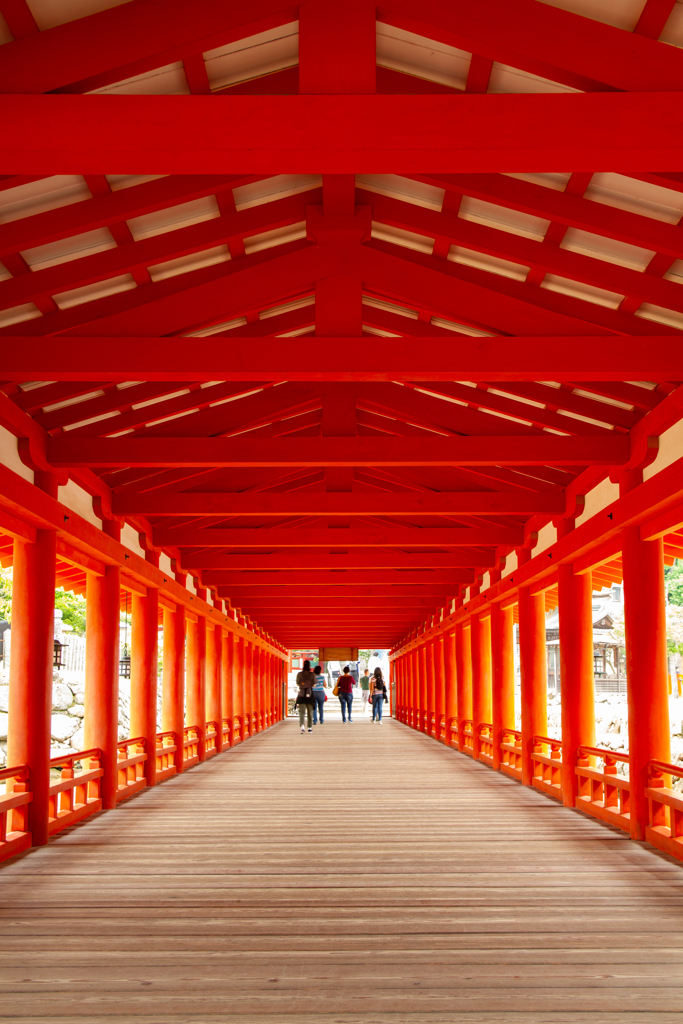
(358, 875)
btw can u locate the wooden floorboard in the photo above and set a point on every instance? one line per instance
(361, 874)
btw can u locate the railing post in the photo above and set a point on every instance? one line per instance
(214, 703)
(463, 659)
(646, 667)
(101, 720)
(196, 681)
(227, 702)
(30, 689)
(502, 677)
(534, 675)
(575, 600)
(173, 692)
(143, 675)
(451, 685)
(481, 678)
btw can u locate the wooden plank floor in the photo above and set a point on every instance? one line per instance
(357, 875)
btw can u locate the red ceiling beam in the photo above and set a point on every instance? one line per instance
(355, 558)
(323, 601)
(408, 503)
(341, 134)
(546, 357)
(503, 450)
(374, 591)
(320, 537)
(451, 578)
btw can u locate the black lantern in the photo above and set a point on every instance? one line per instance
(4, 625)
(57, 659)
(124, 660)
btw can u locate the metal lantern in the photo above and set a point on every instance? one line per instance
(57, 658)
(124, 661)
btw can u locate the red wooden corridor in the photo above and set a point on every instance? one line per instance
(341, 326)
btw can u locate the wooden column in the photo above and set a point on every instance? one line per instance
(238, 684)
(248, 688)
(649, 734)
(196, 681)
(173, 692)
(30, 686)
(227, 704)
(214, 703)
(440, 687)
(463, 659)
(423, 703)
(575, 600)
(432, 668)
(415, 674)
(481, 678)
(532, 655)
(101, 720)
(502, 676)
(451, 684)
(144, 656)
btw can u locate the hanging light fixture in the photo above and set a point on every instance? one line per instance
(124, 662)
(57, 659)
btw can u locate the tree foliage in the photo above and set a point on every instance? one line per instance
(73, 609)
(6, 594)
(673, 581)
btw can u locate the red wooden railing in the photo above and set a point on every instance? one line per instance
(511, 753)
(452, 732)
(486, 743)
(77, 793)
(467, 737)
(190, 746)
(165, 749)
(665, 829)
(225, 733)
(130, 767)
(547, 761)
(14, 834)
(237, 726)
(602, 792)
(211, 740)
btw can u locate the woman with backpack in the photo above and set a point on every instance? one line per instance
(378, 694)
(305, 680)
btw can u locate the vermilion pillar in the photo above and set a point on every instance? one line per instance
(575, 600)
(440, 686)
(502, 676)
(481, 678)
(451, 684)
(463, 659)
(432, 724)
(173, 693)
(532, 654)
(248, 688)
(214, 703)
(227, 704)
(143, 675)
(423, 702)
(238, 683)
(649, 734)
(101, 720)
(196, 682)
(257, 662)
(30, 690)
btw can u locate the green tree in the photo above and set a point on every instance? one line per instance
(6, 594)
(673, 581)
(73, 609)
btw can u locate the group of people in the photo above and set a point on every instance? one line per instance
(310, 699)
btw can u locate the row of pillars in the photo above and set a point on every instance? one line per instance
(209, 675)
(467, 674)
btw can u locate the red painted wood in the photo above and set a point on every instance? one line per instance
(143, 675)
(173, 700)
(575, 596)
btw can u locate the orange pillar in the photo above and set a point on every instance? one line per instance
(431, 688)
(173, 692)
(451, 684)
(101, 720)
(422, 702)
(196, 681)
(257, 662)
(227, 705)
(143, 675)
(414, 688)
(502, 676)
(649, 734)
(30, 689)
(238, 683)
(463, 659)
(532, 655)
(248, 688)
(481, 677)
(440, 687)
(575, 601)
(214, 703)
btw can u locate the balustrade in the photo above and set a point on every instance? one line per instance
(165, 749)
(77, 793)
(14, 834)
(212, 739)
(665, 829)
(604, 793)
(130, 767)
(190, 746)
(468, 737)
(225, 733)
(451, 738)
(237, 728)
(547, 766)
(511, 753)
(486, 743)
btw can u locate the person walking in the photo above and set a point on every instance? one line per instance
(378, 694)
(305, 680)
(345, 693)
(365, 689)
(319, 695)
